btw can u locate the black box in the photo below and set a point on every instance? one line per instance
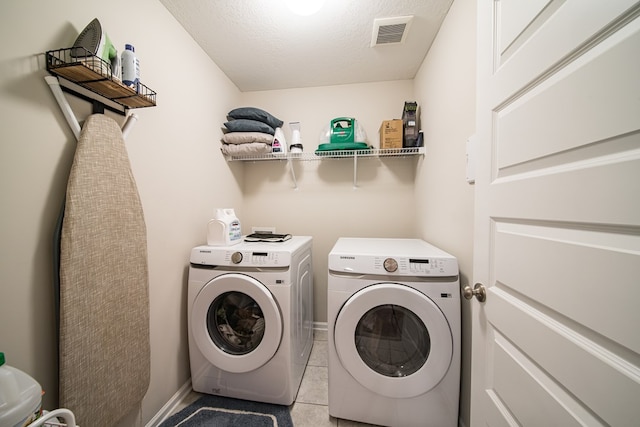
(410, 124)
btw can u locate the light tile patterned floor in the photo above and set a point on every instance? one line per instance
(310, 408)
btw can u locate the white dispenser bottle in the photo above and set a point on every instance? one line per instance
(20, 397)
(279, 144)
(130, 67)
(224, 229)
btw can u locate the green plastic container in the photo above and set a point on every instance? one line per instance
(343, 130)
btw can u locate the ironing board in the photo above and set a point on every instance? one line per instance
(104, 360)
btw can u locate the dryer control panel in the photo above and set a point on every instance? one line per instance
(239, 256)
(363, 264)
(401, 257)
(414, 266)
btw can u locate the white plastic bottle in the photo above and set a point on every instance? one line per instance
(20, 397)
(279, 144)
(224, 228)
(130, 67)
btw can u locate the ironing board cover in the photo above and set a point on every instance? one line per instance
(104, 359)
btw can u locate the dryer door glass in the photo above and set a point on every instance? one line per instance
(392, 340)
(235, 323)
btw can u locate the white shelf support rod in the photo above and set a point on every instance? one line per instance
(293, 174)
(355, 170)
(54, 85)
(129, 121)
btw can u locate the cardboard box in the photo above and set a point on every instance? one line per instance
(391, 134)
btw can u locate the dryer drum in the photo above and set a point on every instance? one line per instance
(392, 340)
(235, 323)
(387, 379)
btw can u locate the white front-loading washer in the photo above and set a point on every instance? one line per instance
(250, 319)
(394, 333)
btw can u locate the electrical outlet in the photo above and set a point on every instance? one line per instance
(262, 229)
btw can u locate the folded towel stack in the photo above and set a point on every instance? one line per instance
(250, 130)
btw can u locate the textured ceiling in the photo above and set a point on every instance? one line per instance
(262, 45)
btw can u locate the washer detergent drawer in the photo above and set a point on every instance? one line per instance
(236, 323)
(393, 340)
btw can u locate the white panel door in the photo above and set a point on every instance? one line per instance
(557, 341)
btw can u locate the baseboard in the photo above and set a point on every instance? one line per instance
(320, 326)
(170, 407)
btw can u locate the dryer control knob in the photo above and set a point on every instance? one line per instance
(390, 265)
(236, 257)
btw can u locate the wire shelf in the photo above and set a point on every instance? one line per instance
(336, 154)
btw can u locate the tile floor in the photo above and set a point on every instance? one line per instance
(311, 406)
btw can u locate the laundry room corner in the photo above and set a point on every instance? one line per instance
(445, 90)
(329, 201)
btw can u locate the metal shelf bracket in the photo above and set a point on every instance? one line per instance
(328, 155)
(56, 89)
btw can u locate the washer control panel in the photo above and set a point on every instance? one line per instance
(255, 259)
(207, 255)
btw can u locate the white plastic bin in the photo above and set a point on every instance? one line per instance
(20, 397)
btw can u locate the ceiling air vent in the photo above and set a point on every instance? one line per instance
(390, 30)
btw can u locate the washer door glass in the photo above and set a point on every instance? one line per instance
(236, 323)
(394, 340)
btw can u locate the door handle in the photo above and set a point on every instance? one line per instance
(478, 291)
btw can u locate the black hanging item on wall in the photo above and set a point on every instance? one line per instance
(410, 124)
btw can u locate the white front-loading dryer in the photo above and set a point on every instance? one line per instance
(394, 333)
(250, 319)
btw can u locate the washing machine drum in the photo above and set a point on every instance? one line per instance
(236, 323)
(393, 340)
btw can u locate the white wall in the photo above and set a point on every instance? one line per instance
(445, 89)
(175, 158)
(326, 205)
